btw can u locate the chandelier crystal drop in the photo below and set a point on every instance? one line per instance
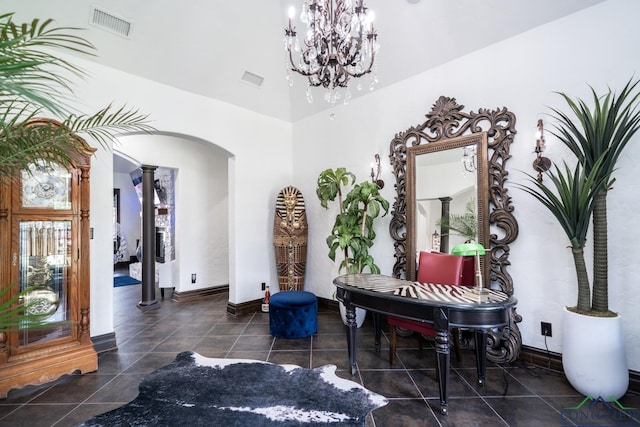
(340, 43)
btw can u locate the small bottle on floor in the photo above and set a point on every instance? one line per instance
(265, 301)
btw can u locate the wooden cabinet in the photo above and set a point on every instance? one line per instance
(44, 253)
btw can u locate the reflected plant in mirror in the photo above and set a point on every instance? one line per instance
(464, 225)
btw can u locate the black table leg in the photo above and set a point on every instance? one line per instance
(481, 355)
(351, 334)
(441, 325)
(377, 328)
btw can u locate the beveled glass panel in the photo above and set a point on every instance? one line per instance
(44, 271)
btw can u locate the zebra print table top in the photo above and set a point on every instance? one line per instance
(423, 291)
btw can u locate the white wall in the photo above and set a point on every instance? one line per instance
(202, 210)
(259, 166)
(596, 46)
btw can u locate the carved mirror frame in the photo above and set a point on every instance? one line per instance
(447, 125)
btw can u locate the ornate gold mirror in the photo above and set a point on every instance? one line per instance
(424, 163)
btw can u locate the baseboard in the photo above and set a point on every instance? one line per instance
(539, 357)
(250, 307)
(553, 361)
(198, 293)
(104, 342)
(247, 307)
(328, 305)
(634, 381)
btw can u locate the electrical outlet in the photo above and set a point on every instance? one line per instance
(193, 277)
(545, 329)
(264, 286)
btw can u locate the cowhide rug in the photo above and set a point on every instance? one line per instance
(197, 391)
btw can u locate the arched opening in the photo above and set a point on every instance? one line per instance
(201, 172)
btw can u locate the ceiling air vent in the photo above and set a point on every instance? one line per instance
(252, 79)
(110, 22)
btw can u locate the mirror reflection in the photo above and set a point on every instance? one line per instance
(446, 209)
(446, 183)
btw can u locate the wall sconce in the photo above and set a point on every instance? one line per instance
(375, 173)
(541, 163)
(469, 158)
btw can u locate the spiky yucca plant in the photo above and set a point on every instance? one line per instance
(600, 132)
(571, 198)
(35, 82)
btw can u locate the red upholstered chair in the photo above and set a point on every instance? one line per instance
(433, 267)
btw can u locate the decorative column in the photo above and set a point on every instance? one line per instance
(148, 241)
(444, 229)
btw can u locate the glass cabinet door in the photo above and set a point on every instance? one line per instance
(44, 262)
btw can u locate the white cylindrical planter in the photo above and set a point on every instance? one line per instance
(361, 313)
(593, 355)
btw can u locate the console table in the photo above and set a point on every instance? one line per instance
(445, 306)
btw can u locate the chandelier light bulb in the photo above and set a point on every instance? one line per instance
(292, 12)
(368, 21)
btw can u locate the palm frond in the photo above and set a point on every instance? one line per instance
(13, 309)
(103, 125)
(29, 68)
(21, 143)
(465, 224)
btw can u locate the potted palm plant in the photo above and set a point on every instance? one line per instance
(596, 136)
(35, 82)
(353, 233)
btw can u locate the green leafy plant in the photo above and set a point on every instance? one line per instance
(36, 83)
(353, 232)
(600, 132)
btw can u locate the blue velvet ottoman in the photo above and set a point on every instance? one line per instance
(293, 314)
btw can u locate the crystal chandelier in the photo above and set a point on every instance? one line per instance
(340, 43)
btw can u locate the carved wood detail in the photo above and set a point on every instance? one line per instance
(447, 120)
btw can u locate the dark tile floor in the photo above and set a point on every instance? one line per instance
(516, 395)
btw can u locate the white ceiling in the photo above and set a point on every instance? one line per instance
(205, 46)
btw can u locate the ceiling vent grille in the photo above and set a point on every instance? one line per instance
(110, 22)
(252, 79)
